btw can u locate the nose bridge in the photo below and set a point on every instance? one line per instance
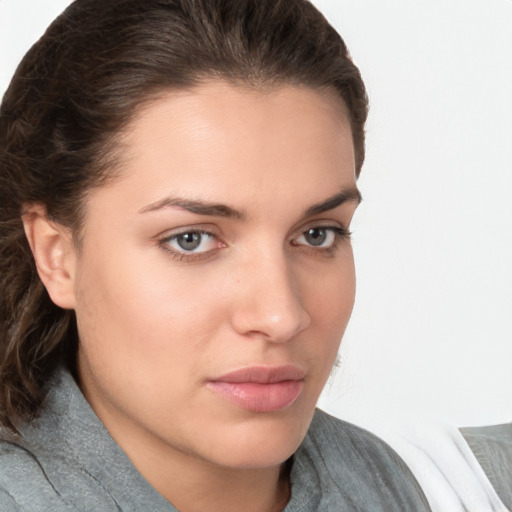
(269, 304)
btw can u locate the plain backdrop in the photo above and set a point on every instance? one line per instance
(431, 333)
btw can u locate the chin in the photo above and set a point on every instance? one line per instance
(257, 454)
(265, 440)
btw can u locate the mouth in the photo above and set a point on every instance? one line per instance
(260, 388)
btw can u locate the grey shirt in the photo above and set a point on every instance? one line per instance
(492, 447)
(67, 461)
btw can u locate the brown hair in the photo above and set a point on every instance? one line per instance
(80, 84)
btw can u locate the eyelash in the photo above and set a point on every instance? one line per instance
(340, 234)
(184, 256)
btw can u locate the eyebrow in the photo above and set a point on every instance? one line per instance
(199, 207)
(345, 196)
(222, 210)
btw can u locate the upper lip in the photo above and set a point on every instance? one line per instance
(262, 374)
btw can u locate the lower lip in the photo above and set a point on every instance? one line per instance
(259, 397)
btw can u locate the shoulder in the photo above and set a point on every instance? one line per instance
(492, 447)
(24, 484)
(443, 463)
(359, 467)
(34, 479)
(490, 438)
(35, 467)
(8, 502)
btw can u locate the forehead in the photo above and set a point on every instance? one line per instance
(218, 140)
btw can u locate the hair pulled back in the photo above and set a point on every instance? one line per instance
(79, 85)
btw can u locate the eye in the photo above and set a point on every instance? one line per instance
(318, 237)
(321, 237)
(190, 243)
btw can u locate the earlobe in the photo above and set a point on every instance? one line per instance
(54, 254)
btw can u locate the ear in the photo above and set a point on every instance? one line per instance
(54, 254)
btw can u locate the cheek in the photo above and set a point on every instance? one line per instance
(328, 297)
(143, 332)
(330, 293)
(142, 308)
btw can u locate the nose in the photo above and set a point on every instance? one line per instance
(268, 301)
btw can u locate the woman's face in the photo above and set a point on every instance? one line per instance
(216, 277)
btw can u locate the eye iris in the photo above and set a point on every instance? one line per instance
(189, 241)
(315, 236)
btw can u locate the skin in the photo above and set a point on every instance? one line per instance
(156, 323)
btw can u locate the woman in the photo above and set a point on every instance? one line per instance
(177, 184)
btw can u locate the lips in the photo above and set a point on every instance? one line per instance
(260, 388)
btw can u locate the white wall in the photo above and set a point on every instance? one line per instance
(432, 329)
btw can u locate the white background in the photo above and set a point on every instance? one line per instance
(431, 333)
